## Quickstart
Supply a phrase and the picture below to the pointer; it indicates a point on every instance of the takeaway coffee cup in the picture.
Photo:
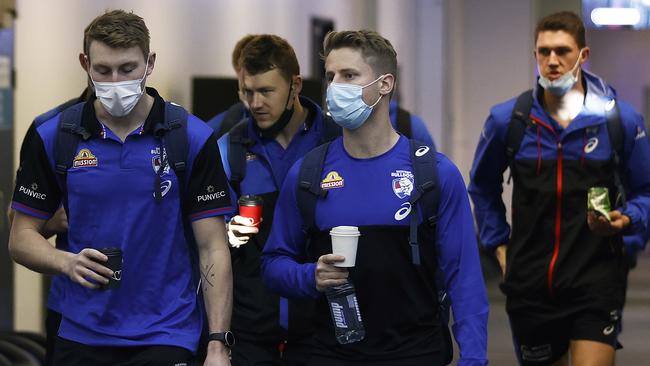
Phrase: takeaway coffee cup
(250, 206)
(115, 264)
(344, 242)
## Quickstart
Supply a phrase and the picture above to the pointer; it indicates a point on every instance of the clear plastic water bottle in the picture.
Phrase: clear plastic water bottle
(348, 326)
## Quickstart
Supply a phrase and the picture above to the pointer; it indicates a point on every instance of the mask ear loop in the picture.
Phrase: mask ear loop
(380, 95)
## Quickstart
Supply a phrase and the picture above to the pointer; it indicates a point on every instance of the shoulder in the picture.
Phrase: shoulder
(502, 113)
(629, 115)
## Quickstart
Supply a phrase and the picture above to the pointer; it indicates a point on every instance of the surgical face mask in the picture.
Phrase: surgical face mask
(346, 106)
(560, 86)
(119, 98)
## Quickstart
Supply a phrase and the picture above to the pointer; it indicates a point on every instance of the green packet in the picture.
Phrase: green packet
(598, 201)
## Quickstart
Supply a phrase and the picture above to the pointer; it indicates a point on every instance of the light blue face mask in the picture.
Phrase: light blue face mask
(561, 85)
(346, 106)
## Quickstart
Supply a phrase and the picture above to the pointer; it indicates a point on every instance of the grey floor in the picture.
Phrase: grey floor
(636, 321)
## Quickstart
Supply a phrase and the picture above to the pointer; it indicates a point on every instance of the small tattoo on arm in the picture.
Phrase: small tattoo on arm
(208, 276)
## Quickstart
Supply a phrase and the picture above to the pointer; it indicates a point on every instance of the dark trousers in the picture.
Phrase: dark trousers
(68, 353)
(435, 359)
(268, 354)
(52, 322)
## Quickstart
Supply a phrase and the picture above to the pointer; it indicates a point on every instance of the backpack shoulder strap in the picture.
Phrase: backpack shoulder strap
(403, 125)
(330, 129)
(517, 126)
(68, 135)
(233, 116)
(309, 189)
(617, 140)
(238, 144)
(175, 137)
(426, 196)
(426, 192)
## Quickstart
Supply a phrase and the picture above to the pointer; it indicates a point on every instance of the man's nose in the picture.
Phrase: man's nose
(256, 101)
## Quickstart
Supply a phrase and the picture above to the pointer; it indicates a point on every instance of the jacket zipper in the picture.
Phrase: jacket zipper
(558, 204)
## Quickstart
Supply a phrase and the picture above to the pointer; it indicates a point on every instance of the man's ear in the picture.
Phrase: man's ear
(152, 63)
(297, 84)
(83, 61)
(387, 84)
(585, 55)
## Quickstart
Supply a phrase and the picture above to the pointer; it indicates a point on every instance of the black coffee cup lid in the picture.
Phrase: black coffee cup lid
(250, 200)
(111, 251)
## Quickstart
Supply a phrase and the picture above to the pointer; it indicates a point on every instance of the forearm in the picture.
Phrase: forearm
(216, 284)
(288, 278)
(30, 249)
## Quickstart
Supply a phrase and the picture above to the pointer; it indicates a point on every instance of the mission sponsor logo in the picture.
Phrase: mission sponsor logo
(84, 159)
(211, 195)
(32, 191)
(332, 180)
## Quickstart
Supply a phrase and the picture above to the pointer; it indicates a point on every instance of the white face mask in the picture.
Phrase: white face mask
(346, 106)
(119, 98)
(561, 85)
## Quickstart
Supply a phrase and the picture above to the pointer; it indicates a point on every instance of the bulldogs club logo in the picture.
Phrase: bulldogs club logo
(402, 183)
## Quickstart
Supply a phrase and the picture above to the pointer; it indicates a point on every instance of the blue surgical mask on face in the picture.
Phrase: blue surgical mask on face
(563, 84)
(346, 106)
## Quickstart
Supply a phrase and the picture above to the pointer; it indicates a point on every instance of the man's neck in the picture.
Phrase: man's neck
(565, 108)
(375, 137)
(285, 136)
(123, 126)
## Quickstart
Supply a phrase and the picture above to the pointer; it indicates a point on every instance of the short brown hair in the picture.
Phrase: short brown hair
(566, 21)
(376, 50)
(266, 52)
(236, 52)
(118, 29)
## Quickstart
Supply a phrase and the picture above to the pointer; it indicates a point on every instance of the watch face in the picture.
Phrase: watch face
(229, 338)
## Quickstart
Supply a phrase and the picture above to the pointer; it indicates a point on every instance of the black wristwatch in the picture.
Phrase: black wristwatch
(226, 338)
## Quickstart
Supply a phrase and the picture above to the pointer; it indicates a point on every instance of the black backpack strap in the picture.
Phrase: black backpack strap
(238, 143)
(175, 137)
(330, 130)
(403, 125)
(426, 196)
(68, 135)
(173, 133)
(426, 192)
(617, 140)
(309, 189)
(233, 116)
(517, 126)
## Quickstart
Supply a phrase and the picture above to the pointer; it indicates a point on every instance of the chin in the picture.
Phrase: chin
(264, 124)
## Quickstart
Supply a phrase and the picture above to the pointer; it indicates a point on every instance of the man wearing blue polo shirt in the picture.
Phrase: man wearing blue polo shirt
(364, 179)
(121, 192)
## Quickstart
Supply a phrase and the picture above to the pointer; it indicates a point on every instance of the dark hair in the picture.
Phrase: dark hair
(566, 21)
(118, 29)
(376, 50)
(266, 52)
(236, 52)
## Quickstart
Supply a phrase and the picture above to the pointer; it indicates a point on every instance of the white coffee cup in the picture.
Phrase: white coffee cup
(344, 242)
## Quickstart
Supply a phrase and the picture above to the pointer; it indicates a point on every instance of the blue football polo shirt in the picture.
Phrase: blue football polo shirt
(110, 203)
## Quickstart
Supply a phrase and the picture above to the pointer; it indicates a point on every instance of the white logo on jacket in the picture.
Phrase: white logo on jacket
(421, 151)
(591, 145)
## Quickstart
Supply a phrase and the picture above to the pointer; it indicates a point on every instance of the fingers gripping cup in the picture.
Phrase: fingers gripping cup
(250, 206)
(344, 242)
(114, 263)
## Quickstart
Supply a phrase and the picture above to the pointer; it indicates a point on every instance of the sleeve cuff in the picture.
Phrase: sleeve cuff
(44, 215)
(211, 213)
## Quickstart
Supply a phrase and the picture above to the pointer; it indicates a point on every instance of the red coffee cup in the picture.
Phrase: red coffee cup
(250, 206)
